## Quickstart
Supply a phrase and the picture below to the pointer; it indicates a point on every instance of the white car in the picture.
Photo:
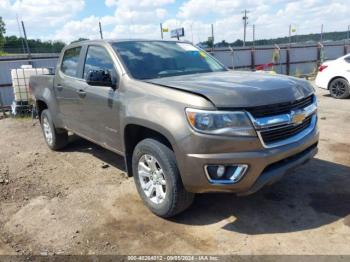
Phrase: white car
(334, 75)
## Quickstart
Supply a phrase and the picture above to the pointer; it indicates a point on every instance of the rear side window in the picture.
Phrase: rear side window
(70, 61)
(347, 59)
(97, 58)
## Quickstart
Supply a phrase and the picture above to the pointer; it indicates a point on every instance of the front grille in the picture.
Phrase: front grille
(273, 135)
(281, 108)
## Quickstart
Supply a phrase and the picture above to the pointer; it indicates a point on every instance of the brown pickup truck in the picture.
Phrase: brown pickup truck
(184, 122)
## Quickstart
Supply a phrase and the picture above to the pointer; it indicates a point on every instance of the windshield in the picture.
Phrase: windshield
(155, 59)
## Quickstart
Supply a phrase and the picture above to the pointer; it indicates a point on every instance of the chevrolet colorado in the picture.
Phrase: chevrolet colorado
(184, 122)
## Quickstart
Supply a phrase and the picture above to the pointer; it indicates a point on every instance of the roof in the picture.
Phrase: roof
(126, 40)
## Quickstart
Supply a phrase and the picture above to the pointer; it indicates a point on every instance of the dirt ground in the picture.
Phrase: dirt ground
(80, 201)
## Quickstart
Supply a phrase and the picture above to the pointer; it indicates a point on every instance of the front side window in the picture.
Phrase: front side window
(155, 59)
(70, 61)
(97, 58)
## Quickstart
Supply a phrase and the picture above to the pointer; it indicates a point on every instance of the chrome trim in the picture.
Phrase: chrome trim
(242, 168)
(285, 120)
(270, 121)
(291, 139)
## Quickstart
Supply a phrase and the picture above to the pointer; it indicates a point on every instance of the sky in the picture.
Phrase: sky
(68, 20)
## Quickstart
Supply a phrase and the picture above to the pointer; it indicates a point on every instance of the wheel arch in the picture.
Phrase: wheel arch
(336, 77)
(41, 105)
(134, 133)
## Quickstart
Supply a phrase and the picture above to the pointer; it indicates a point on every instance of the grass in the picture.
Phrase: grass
(3, 53)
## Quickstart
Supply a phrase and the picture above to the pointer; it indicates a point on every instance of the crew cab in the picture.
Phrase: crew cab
(184, 123)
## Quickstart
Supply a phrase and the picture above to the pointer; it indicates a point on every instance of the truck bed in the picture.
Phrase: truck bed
(39, 83)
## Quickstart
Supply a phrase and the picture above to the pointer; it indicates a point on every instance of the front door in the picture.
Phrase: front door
(100, 106)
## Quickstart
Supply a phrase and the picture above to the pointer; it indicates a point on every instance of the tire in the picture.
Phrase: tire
(339, 88)
(175, 199)
(58, 138)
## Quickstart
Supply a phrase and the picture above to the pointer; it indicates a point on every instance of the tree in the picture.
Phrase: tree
(79, 40)
(238, 42)
(223, 43)
(13, 44)
(2, 33)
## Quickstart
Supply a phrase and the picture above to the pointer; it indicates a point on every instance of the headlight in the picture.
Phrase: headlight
(220, 123)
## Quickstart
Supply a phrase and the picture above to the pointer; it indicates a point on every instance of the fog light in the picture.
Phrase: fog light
(225, 174)
(220, 171)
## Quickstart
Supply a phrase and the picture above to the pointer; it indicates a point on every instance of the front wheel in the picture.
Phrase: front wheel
(158, 180)
(55, 139)
(339, 88)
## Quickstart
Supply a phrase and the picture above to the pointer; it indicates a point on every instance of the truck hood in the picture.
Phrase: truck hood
(231, 89)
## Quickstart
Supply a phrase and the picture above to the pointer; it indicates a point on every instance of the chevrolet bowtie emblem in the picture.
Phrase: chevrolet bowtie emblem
(298, 118)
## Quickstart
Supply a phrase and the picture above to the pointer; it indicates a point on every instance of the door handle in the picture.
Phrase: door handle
(59, 87)
(81, 93)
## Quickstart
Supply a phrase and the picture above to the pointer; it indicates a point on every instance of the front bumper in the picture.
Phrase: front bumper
(265, 165)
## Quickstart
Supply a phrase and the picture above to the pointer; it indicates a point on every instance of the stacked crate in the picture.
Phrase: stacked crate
(20, 81)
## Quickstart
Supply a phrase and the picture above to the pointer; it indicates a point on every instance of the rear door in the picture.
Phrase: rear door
(68, 83)
(101, 104)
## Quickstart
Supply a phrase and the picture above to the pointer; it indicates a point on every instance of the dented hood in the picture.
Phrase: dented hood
(231, 89)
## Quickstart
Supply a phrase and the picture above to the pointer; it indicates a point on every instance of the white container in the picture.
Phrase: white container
(20, 81)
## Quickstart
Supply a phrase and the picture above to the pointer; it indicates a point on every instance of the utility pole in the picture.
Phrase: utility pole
(212, 36)
(290, 34)
(192, 31)
(245, 21)
(100, 26)
(253, 35)
(161, 31)
(26, 40)
(321, 33)
(20, 35)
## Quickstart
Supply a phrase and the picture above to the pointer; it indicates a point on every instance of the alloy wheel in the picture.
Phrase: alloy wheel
(152, 178)
(338, 88)
(47, 131)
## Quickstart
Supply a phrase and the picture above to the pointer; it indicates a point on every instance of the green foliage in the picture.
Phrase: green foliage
(310, 38)
(2, 33)
(16, 44)
(79, 40)
(223, 43)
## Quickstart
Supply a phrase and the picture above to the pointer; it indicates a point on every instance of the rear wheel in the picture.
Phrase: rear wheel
(55, 138)
(339, 88)
(158, 180)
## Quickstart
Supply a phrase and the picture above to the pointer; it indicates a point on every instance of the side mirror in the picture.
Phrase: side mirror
(100, 78)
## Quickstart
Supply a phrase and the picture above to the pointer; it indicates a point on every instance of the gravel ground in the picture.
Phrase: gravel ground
(80, 201)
